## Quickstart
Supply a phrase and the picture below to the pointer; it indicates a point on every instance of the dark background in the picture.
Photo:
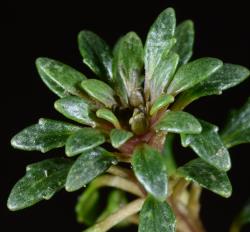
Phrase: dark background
(34, 29)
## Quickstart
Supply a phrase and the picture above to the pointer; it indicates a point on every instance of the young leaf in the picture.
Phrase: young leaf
(162, 75)
(43, 136)
(83, 140)
(159, 40)
(60, 78)
(184, 35)
(96, 54)
(41, 181)
(118, 137)
(108, 116)
(88, 206)
(77, 109)
(237, 129)
(208, 146)
(89, 165)
(207, 176)
(100, 91)
(192, 73)
(150, 170)
(127, 66)
(156, 216)
(178, 122)
(228, 76)
(160, 103)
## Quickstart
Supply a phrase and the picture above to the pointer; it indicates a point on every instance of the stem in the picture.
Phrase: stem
(194, 200)
(119, 171)
(117, 182)
(115, 218)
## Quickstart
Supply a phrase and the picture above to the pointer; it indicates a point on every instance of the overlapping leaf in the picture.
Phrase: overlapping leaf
(207, 176)
(118, 137)
(237, 129)
(61, 79)
(109, 116)
(41, 181)
(44, 136)
(208, 146)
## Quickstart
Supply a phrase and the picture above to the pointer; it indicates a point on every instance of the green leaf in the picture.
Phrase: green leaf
(128, 65)
(118, 137)
(228, 76)
(77, 109)
(150, 170)
(83, 140)
(100, 91)
(208, 146)
(109, 116)
(192, 73)
(178, 122)
(163, 75)
(41, 181)
(43, 136)
(184, 35)
(96, 54)
(207, 176)
(156, 216)
(237, 129)
(160, 103)
(60, 78)
(88, 206)
(89, 165)
(159, 40)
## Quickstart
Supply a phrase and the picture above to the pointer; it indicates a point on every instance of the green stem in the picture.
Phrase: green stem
(115, 218)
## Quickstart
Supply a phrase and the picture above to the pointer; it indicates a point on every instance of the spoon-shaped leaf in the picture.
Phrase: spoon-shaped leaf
(178, 122)
(77, 109)
(60, 78)
(207, 176)
(96, 54)
(192, 73)
(88, 165)
(41, 181)
(208, 146)
(184, 35)
(150, 170)
(100, 91)
(128, 65)
(43, 136)
(237, 129)
(160, 103)
(118, 137)
(156, 216)
(83, 140)
(109, 116)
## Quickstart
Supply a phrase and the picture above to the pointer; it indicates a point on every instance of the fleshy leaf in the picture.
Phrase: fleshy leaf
(178, 122)
(208, 146)
(88, 165)
(83, 140)
(41, 181)
(109, 116)
(237, 129)
(159, 40)
(150, 170)
(118, 137)
(88, 206)
(43, 136)
(77, 109)
(60, 78)
(184, 35)
(192, 73)
(163, 75)
(207, 176)
(127, 66)
(156, 216)
(96, 54)
(228, 76)
(160, 103)
(100, 91)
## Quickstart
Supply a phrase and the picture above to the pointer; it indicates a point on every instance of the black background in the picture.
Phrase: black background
(34, 29)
